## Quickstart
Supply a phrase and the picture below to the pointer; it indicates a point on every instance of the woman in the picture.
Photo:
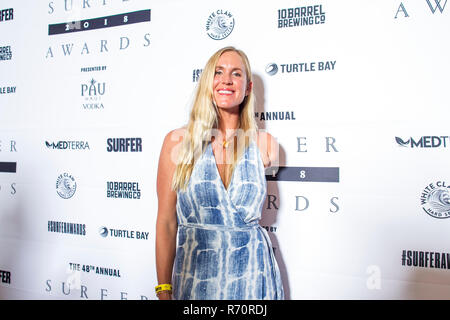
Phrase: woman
(211, 187)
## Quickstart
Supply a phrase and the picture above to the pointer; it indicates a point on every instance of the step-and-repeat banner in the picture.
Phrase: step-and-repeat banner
(356, 93)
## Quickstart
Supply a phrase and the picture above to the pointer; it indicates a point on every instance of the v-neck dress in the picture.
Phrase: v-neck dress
(222, 251)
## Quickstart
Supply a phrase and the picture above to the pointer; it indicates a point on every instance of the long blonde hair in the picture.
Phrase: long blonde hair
(204, 117)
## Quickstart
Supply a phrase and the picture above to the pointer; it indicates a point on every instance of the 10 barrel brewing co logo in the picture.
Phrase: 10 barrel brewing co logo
(435, 200)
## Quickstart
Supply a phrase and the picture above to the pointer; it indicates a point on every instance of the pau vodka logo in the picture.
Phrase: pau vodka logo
(92, 94)
(435, 200)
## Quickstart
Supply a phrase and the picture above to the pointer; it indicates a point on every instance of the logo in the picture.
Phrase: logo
(66, 228)
(424, 142)
(435, 200)
(220, 24)
(92, 94)
(124, 145)
(426, 259)
(6, 14)
(7, 90)
(122, 233)
(278, 115)
(271, 69)
(71, 11)
(67, 145)
(301, 16)
(66, 186)
(5, 276)
(5, 53)
(123, 190)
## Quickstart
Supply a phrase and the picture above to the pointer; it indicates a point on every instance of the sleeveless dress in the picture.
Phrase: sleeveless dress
(222, 251)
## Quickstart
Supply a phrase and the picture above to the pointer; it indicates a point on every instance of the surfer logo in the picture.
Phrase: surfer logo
(220, 24)
(66, 186)
(435, 200)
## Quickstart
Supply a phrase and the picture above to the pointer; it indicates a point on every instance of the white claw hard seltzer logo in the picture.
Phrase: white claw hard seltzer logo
(66, 186)
(435, 200)
(220, 24)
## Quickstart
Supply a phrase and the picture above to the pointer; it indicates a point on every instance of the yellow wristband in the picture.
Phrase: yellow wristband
(163, 287)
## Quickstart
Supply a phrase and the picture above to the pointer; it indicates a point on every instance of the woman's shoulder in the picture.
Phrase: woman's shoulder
(174, 136)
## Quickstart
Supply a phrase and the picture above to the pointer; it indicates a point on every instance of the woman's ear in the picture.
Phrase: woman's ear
(249, 88)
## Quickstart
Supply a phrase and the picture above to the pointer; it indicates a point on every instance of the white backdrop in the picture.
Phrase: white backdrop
(377, 112)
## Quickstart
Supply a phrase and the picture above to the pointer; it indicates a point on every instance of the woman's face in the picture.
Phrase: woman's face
(230, 81)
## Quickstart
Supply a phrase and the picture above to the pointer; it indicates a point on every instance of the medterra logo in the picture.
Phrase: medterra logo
(220, 24)
(67, 145)
(66, 186)
(423, 142)
(435, 200)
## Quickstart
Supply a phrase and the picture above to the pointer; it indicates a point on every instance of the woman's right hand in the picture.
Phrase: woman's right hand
(165, 295)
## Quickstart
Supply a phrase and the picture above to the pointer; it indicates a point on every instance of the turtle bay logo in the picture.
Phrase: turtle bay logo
(92, 94)
(122, 233)
(66, 186)
(435, 200)
(302, 67)
(220, 24)
(424, 142)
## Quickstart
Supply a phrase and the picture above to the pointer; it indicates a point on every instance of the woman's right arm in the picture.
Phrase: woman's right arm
(166, 222)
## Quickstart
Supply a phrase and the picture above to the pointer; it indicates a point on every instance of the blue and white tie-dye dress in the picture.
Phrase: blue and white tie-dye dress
(222, 251)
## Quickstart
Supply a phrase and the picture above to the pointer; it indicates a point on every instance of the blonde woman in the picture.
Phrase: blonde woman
(211, 187)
